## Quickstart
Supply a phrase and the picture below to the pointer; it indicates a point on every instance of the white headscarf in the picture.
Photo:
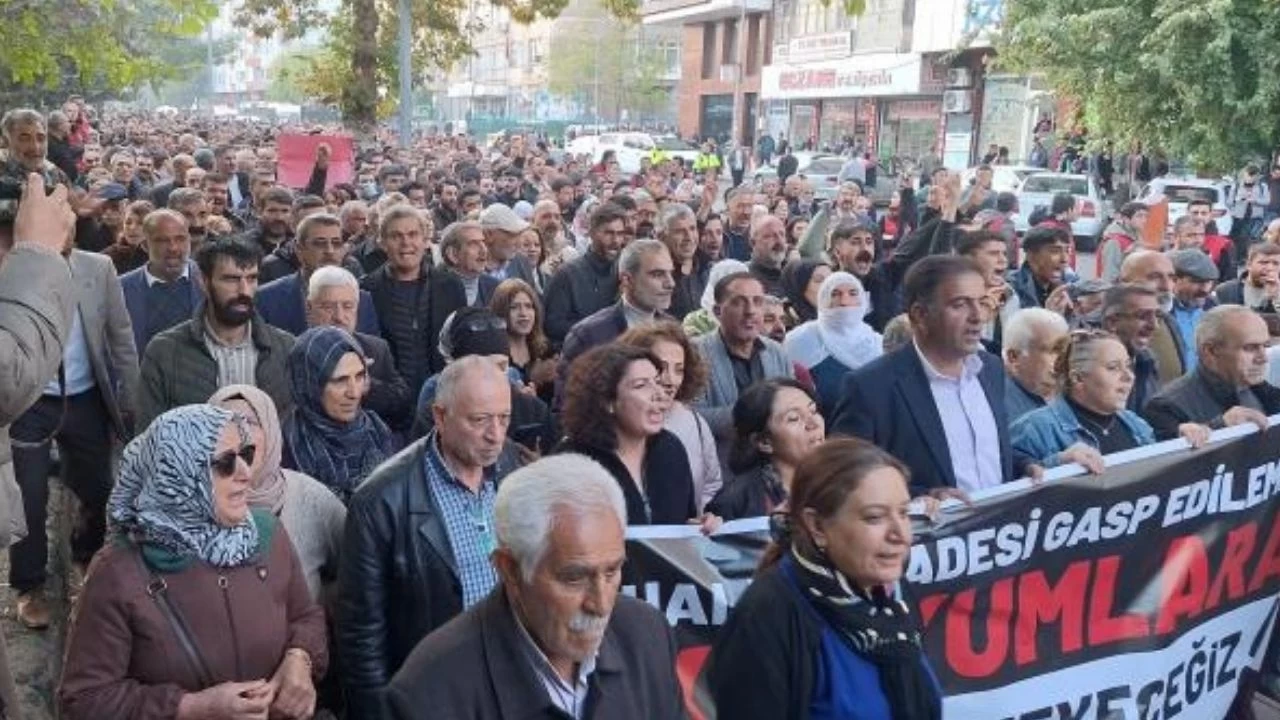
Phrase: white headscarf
(838, 332)
(718, 272)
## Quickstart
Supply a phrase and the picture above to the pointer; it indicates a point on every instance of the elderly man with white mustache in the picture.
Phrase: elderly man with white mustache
(555, 639)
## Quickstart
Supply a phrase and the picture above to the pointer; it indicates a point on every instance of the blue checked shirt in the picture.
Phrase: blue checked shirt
(468, 522)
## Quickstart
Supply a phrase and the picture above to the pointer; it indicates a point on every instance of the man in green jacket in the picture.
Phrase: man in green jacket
(226, 343)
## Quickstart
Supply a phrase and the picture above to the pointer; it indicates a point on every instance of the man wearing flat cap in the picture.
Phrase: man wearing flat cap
(1194, 275)
(502, 229)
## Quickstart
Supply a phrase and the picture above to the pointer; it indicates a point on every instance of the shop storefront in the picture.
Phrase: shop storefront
(872, 101)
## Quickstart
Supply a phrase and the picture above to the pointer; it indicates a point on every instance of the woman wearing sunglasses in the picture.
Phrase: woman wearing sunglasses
(197, 607)
(329, 435)
(1089, 419)
(313, 516)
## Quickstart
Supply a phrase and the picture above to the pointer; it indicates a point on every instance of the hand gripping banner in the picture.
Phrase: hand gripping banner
(1141, 594)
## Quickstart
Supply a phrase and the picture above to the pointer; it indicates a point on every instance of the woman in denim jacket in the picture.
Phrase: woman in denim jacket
(1088, 419)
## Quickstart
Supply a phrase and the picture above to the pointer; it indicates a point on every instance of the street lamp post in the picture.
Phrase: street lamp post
(406, 74)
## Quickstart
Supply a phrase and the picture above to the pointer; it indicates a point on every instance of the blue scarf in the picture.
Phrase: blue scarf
(340, 455)
(163, 499)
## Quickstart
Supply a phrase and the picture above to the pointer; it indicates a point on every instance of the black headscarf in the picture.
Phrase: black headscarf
(795, 278)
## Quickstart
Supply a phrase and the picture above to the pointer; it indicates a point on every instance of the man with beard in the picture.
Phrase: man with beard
(1132, 313)
(1193, 277)
(589, 282)
(445, 210)
(737, 228)
(678, 230)
(646, 213)
(214, 186)
(1259, 288)
(1154, 271)
(508, 187)
(319, 244)
(226, 343)
(273, 209)
(286, 259)
(768, 253)
(852, 247)
(557, 250)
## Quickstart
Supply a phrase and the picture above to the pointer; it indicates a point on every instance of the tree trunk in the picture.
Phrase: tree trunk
(360, 108)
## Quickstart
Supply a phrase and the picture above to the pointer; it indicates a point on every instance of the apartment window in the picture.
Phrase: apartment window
(708, 50)
(537, 50)
(753, 45)
(729, 50)
(669, 50)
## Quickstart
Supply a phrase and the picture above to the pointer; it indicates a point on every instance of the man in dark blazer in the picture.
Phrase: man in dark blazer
(85, 410)
(647, 279)
(166, 291)
(514, 654)
(1228, 386)
(415, 548)
(319, 244)
(937, 404)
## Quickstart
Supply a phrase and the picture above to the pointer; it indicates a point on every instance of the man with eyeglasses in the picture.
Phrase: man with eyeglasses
(1154, 271)
(333, 298)
(318, 244)
(420, 531)
(1132, 313)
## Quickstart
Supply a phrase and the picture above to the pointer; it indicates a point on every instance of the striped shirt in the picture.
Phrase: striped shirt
(237, 364)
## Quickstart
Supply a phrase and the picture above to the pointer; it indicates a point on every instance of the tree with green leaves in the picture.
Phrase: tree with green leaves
(363, 35)
(1194, 79)
(111, 45)
(607, 65)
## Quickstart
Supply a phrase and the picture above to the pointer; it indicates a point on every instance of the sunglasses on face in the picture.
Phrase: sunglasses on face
(224, 464)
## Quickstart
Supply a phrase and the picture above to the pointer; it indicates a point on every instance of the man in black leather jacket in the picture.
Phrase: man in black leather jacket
(419, 532)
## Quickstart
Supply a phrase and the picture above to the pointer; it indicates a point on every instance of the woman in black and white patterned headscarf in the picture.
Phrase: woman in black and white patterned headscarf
(197, 607)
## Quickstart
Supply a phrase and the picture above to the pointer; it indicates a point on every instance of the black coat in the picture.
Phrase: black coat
(744, 496)
(389, 394)
(398, 580)
(668, 481)
(1199, 398)
(582, 286)
(476, 668)
(443, 295)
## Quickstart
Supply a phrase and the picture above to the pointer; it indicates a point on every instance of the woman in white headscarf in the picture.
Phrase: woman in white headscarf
(838, 342)
(703, 320)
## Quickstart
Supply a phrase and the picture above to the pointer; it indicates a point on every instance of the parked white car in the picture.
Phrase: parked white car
(627, 147)
(1037, 191)
(1182, 190)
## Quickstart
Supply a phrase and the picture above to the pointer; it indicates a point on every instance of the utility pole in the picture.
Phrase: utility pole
(208, 63)
(406, 74)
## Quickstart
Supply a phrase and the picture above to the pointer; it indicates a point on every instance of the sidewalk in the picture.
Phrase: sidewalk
(35, 657)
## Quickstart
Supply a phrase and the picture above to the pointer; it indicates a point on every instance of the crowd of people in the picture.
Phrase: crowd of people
(379, 441)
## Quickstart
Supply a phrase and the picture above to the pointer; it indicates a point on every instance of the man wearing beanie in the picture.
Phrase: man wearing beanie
(477, 331)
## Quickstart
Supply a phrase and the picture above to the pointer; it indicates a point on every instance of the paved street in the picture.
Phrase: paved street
(34, 656)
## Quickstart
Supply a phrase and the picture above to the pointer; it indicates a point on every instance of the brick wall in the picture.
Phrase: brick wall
(693, 86)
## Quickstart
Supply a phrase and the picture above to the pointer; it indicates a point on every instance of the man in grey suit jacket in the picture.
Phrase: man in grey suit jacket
(737, 354)
(36, 302)
(89, 402)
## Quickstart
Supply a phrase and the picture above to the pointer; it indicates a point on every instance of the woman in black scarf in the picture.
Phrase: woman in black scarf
(801, 280)
(828, 604)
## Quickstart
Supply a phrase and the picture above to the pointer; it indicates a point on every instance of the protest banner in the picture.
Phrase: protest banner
(296, 157)
(1139, 594)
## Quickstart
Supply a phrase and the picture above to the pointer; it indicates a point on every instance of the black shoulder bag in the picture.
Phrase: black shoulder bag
(158, 590)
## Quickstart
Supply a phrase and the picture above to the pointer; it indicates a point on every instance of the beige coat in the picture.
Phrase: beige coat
(37, 298)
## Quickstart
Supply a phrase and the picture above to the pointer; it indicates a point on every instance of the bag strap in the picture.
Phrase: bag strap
(158, 590)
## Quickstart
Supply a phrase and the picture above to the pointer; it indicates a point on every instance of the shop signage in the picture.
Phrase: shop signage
(825, 46)
(858, 76)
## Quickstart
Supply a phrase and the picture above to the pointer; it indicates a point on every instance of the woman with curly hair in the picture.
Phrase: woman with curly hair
(615, 416)
(683, 375)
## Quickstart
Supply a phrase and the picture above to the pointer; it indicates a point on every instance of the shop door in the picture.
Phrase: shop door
(715, 120)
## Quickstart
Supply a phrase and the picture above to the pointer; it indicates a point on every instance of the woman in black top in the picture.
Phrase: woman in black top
(515, 302)
(776, 424)
(615, 415)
